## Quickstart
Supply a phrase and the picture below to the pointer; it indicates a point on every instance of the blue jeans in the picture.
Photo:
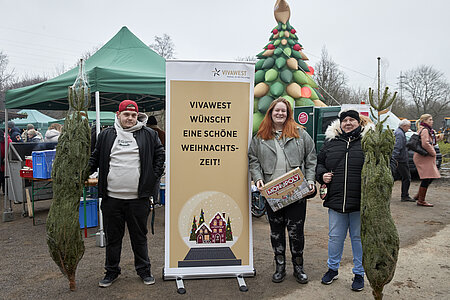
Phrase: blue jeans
(339, 224)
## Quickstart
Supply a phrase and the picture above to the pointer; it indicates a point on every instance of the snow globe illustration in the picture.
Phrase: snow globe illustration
(210, 219)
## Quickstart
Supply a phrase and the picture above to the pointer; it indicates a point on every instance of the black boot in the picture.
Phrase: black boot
(280, 269)
(299, 274)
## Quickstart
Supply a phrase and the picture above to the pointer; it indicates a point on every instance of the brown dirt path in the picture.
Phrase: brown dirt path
(423, 270)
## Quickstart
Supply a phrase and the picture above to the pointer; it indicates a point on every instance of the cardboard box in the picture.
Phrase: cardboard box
(29, 161)
(26, 173)
(283, 185)
(286, 189)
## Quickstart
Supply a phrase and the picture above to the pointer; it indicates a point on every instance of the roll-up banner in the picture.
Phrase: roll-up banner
(209, 107)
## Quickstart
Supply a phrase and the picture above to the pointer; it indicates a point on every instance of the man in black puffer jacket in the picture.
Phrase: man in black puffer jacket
(339, 165)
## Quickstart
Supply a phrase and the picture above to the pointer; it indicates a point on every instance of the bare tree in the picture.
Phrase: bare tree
(332, 81)
(164, 46)
(355, 96)
(246, 58)
(26, 81)
(427, 90)
(86, 54)
(5, 77)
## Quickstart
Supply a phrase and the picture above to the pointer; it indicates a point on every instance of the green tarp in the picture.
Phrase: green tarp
(38, 119)
(124, 68)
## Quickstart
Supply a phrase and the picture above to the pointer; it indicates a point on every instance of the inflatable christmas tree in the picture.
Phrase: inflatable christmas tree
(281, 69)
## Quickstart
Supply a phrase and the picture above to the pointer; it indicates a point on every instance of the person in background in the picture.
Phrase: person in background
(25, 133)
(152, 123)
(2, 168)
(32, 136)
(280, 146)
(339, 166)
(53, 133)
(14, 132)
(426, 165)
(400, 158)
(130, 159)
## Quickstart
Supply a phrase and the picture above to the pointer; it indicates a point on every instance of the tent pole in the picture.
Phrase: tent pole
(97, 112)
(7, 213)
(100, 236)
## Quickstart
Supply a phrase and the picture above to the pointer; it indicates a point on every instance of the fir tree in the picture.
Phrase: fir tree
(202, 218)
(192, 236)
(282, 71)
(229, 233)
(64, 240)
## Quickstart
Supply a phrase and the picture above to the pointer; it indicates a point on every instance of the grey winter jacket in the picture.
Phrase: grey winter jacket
(400, 152)
(299, 152)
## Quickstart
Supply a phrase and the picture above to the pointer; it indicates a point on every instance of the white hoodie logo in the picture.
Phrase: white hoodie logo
(124, 143)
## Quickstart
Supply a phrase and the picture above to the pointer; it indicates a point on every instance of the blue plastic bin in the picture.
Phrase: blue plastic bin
(42, 163)
(162, 193)
(91, 213)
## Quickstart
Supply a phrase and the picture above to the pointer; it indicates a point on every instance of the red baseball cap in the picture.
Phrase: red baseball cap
(129, 105)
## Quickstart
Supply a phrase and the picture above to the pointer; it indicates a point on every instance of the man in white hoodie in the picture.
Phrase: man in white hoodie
(130, 158)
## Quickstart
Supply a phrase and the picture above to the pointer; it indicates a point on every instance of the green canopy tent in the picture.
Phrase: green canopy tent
(38, 119)
(124, 68)
(106, 118)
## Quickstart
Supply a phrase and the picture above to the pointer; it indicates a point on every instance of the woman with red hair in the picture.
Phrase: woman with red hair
(280, 146)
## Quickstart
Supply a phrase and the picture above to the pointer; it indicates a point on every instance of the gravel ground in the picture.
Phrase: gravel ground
(423, 269)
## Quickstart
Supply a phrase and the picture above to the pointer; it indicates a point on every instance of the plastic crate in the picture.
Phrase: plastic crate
(91, 213)
(162, 193)
(42, 163)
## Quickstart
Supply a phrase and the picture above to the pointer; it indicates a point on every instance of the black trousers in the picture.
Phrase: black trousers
(291, 217)
(426, 182)
(134, 212)
(405, 175)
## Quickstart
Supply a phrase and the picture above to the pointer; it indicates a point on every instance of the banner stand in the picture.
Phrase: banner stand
(208, 231)
(240, 278)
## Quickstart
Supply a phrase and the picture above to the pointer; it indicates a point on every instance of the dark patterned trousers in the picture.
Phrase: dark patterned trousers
(291, 217)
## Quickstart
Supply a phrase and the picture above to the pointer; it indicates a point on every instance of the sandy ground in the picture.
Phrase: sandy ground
(423, 269)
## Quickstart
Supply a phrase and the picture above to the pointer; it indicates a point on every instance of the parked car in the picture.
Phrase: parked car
(412, 166)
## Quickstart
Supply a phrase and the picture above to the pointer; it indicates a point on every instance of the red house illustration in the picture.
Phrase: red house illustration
(214, 233)
(203, 234)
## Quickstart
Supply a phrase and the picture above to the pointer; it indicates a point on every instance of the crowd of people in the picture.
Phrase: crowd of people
(130, 158)
(33, 135)
(281, 145)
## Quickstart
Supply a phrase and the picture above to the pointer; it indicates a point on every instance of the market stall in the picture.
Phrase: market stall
(39, 120)
(124, 68)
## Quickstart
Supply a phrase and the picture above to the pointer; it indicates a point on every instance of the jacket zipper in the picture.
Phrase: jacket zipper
(345, 176)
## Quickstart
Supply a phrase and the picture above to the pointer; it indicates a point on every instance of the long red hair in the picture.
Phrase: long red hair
(290, 127)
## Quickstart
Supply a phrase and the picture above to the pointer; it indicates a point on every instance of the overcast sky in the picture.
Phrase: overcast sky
(42, 36)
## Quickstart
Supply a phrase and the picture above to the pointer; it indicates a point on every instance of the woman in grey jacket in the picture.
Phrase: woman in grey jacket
(280, 146)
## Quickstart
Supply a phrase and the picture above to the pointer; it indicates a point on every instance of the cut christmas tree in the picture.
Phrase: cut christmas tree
(69, 172)
(379, 236)
(282, 71)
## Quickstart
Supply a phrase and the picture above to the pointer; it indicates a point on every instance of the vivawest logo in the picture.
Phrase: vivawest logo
(216, 72)
(230, 73)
